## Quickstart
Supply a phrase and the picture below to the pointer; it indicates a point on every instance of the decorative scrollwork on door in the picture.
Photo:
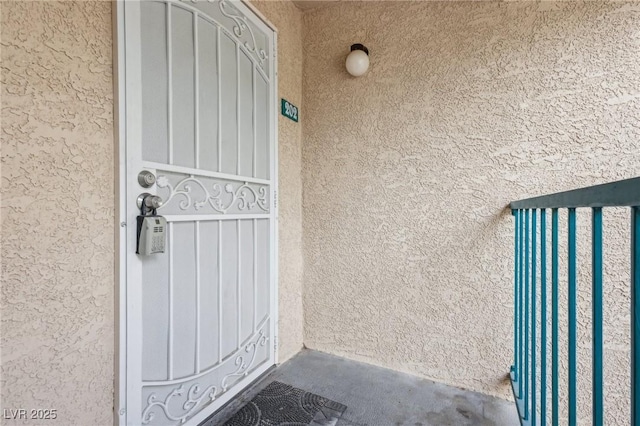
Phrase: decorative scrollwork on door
(194, 398)
(243, 366)
(244, 197)
(177, 411)
(242, 25)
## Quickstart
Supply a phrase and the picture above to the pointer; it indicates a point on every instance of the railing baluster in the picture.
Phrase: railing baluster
(596, 254)
(516, 296)
(534, 228)
(572, 318)
(554, 316)
(635, 316)
(529, 388)
(543, 317)
(522, 374)
(526, 313)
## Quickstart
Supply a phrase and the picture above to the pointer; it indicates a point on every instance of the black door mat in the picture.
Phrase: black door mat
(283, 405)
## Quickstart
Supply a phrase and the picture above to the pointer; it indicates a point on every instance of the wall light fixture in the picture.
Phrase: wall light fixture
(358, 60)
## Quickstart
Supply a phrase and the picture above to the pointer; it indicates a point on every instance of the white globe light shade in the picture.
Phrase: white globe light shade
(357, 63)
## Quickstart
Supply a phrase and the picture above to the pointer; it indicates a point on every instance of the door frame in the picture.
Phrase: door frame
(120, 414)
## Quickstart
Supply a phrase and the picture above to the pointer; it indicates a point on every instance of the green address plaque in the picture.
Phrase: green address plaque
(289, 110)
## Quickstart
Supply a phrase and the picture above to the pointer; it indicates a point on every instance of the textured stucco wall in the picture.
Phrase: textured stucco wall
(57, 210)
(407, 172)
(58, 205)
(288, 20)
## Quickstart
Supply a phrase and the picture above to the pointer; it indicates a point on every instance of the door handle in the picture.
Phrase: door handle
(151, 202)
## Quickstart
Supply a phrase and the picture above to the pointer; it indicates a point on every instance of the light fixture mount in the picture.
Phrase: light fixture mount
(359, 46)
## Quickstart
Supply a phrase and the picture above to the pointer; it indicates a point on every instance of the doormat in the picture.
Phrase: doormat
(282, 404)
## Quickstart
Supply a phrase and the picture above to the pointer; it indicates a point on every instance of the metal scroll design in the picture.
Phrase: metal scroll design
(242, 25)
(242, 365)
(244, 197)
(194, 398)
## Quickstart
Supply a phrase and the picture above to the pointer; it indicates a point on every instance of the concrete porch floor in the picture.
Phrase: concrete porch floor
(377, 396)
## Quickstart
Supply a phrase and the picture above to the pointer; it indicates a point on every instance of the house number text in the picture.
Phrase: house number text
(289, 110)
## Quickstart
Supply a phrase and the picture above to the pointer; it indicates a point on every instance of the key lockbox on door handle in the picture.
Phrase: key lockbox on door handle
(152, 228)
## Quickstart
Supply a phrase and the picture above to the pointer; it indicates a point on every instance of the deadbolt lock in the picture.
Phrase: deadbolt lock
(146, 179)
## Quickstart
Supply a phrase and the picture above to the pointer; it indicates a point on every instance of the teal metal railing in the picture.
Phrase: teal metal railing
(530, 387)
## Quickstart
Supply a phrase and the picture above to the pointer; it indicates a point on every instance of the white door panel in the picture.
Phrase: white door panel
(199, 112)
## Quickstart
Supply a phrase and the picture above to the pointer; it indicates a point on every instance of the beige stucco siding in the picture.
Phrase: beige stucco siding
(407, 172)
(394, 204)
(288, 19)
(58, 202)
(58, 210)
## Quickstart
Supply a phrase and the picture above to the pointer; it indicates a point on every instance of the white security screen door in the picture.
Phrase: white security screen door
(197, 109)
